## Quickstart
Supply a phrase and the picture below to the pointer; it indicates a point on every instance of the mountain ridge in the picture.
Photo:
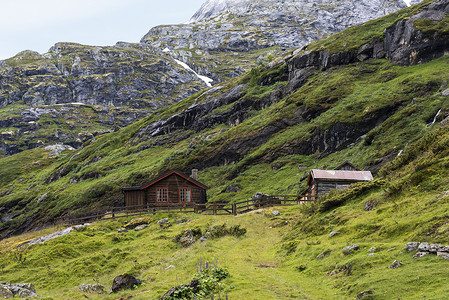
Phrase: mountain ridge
(170, 63)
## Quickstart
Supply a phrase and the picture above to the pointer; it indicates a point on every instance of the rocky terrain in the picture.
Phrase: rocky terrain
(223, 40)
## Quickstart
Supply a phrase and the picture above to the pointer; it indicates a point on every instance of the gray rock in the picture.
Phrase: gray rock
(434, 248)
(141, 227)
(121, 230)
(42, 198)
(350, 249)
(276, 213)
(91, 288)
(395, 265)
(370, 205)
(372, 249)
(424, 247)
(162, 222)
(184, 220)
(371, 254)
(445, 93)
(444, 255)
(420, 254)
(363, 294)
(411, 247)
(187, 238)
(56, 150)
(333, 233)
(9, 290)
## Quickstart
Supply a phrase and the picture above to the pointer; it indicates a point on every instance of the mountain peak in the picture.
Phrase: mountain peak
(214, 8)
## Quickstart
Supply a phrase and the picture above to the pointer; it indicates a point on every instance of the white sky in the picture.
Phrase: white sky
(39, 24)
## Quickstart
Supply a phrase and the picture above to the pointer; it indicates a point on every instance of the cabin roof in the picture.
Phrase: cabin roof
(163, 176)
(347, 163)
(340, 175)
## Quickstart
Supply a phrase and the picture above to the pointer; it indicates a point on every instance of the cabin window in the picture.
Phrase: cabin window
(162, 195)
(185, 195)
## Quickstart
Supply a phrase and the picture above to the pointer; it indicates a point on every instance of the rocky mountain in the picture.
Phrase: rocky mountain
(127, 81)
(370, 94)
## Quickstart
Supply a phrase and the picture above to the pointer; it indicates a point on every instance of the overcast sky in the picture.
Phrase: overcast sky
(39, 24)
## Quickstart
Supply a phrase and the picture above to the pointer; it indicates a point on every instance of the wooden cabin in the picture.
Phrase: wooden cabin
(170, 187)
(321, 182)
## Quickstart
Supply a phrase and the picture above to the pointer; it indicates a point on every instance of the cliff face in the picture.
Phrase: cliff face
(224, 29)
(223, 40)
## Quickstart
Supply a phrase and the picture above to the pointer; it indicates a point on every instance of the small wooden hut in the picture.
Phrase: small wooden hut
(321, 182)
(170, 187)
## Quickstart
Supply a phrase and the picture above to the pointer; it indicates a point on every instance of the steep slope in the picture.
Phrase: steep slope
(140, 78)
(352, 244)
(310, 109)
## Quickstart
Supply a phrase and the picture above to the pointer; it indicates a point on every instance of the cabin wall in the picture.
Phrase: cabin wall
(133, 198)
(324, 187)
(173, 183)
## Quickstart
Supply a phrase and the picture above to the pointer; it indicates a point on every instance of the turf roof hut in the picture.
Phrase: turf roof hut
(321, 182)
(170, 187)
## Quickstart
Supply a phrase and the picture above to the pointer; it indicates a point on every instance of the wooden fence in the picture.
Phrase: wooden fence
(206, 208)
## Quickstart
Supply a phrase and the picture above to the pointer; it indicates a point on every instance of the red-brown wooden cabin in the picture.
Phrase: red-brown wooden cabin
(171, 187)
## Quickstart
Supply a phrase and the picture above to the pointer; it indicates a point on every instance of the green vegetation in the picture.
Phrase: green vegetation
(380, 116)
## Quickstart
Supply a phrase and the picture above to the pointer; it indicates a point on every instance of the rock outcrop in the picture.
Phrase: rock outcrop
(23, 290)
(123, 282)
(129, 81)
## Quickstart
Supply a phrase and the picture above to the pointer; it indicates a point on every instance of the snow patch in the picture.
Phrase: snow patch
(408, 2)
(166, 50)
(207, 80)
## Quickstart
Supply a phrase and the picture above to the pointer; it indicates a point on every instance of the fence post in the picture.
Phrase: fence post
(215, 209)
(234, 209)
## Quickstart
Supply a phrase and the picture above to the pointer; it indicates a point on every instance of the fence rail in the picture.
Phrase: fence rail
(206, 208)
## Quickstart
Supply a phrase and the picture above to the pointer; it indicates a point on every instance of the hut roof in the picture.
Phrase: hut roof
(340, 175)
(347, 163)
(163, 176)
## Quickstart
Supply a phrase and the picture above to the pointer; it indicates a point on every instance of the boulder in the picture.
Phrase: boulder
(420, 254)
(137, 222)
(434, 248)
(276, 213)
(123, 282)
(350, 249)
(162, 222)
(424, 247)
(9, 290)
(444, 255)
(187, 238)
(412, 246)
(141, 227)
(370, 205)
(91, 288)
(395, 265)
(333, 233)
(363, 294)
(445, 93)
(372, 249)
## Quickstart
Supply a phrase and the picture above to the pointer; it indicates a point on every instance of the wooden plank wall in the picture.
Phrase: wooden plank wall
(173, 183)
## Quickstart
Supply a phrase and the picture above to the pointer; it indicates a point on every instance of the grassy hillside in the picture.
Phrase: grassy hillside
(290, 256)
(252, 133)
(260, 132)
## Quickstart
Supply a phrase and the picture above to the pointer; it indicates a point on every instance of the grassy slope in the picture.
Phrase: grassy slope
(119, 160)
(413, 205)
